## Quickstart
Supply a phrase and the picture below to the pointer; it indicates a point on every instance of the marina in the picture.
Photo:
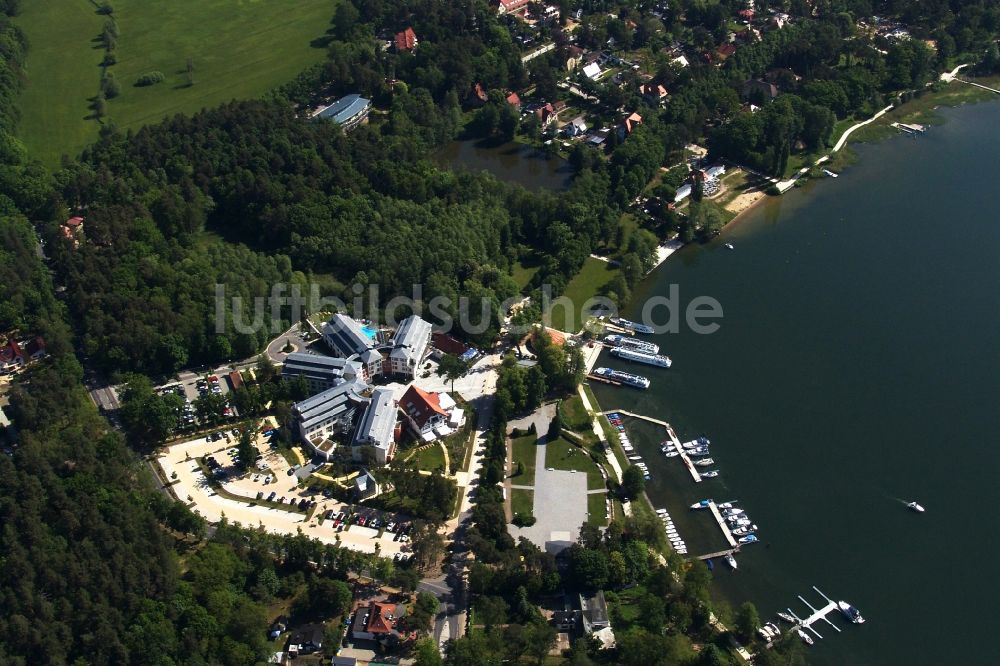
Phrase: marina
(817, 614)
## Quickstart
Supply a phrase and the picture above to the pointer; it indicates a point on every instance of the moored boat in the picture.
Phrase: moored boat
(731, 561)
(711, 474)
(850, 612)
(631, 325)
(750, 538)
(626, 342)
(787, 617)
(806, 638)
(702, 504)
(641, 357)
(627, 378)
(704, 462)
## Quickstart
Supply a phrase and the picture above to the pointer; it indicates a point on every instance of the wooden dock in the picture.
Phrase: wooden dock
(721, 553)
(598, 378)
(670, 433)
(638, 416)
(722, 525)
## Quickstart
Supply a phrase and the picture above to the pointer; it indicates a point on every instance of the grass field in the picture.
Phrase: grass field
(522, 273)
(522, 501)
(574, 416)
(239, 48)
(523, 451)
(597, 509)
(560, 454)
(429, 459)
(589, 282)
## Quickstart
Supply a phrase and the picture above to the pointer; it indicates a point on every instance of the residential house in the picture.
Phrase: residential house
(631, 122)
(236, 380)
(410, 346)
(376, 428)
(723, 52)
(405, 41)
(514, 100)
(376, 621)
(576, 127)
(71, 229)
(478, 96)
(348, 112)
(758, 90)
(446, 344)
(306, 640)
(545, 113)
(680, 61)
(321, 372)
(424, 413)
(11, 357)
(565, 621)
(574, 56)
(592, 71)
(654, 93)
(512, 6)
(36, 348)
(594, 612)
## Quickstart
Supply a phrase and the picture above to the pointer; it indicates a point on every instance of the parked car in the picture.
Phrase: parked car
(271, 496)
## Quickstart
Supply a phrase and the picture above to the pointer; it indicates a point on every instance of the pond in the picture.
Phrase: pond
(511, 161)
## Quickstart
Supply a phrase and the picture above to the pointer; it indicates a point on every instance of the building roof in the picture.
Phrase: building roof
(633, 121)
(333, 403)
(406, 40)
(319, 368)
(344, 108)
(514, 100)
(381, 618)
(595, 611)
(768, 90)
(379, 420)
(420, 405)
(448, 344)
(656, 90)
(411, 340)
(344, 334)
(512, 5)
(10, 351)
(74, 221)
(236, 379)
(480, 92)
(593, 70)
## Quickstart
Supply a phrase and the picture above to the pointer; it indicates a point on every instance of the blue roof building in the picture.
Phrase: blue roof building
(348, 112)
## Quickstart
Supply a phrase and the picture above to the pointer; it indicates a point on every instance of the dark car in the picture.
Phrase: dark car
(271, 496)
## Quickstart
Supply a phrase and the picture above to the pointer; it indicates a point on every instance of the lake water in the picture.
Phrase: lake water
(513, 162)
(857, 366)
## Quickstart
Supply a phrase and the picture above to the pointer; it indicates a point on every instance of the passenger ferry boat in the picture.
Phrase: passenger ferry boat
(649, 359)
(631, 325)
(627, 378)
(627, 342)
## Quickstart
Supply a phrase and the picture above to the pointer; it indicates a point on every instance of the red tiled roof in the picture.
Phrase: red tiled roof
(513, 5)
(381, 618)
(10, 351)
(406, 40)
(74, 221)
(726, 50)
(236, 379)
(514, 100)
(481, 93)
(448, 344)
(420, 405)
(632, 122)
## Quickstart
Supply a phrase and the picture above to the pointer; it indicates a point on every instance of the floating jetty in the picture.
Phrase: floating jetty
(598, 378)
(817, 613)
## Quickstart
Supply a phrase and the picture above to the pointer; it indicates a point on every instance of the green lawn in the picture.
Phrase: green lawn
(589, 282)
(523, 451)
(574, 416)
(239, 48)
(597, 509)
(522, 501)
(560, 454)
(523, 272)
(429, 459)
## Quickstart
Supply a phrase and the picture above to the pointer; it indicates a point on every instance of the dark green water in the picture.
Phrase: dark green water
(858, 364)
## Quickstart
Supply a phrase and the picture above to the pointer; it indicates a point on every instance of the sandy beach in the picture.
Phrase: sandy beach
(745, 201)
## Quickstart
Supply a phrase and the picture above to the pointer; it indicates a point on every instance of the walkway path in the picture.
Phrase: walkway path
(850, 130)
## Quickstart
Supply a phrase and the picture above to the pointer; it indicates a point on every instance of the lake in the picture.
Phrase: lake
(857, 366)
(512, 162)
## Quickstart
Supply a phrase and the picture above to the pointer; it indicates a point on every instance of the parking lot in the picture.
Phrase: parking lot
(358, 528)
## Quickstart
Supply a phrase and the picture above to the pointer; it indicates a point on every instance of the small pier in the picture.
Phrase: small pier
(721, 553)
(722, 524)
(670, 433)
(598, 378)
(817, 614)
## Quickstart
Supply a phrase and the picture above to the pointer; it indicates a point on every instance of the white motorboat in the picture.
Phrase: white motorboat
(744, 530)
(806, 638)
(750, 538)
(850, 612)
(672, 454)
(913, 506)
(702, 504)
(733, 512)
(698, 453)
(729, 246)
(704, 462)
(731, 561)
(787, 617)
(709, 475)
(727, 505)
(661, 511)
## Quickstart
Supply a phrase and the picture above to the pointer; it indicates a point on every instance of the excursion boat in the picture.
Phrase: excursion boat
(787, 617)
(702, 504)
(806, 638)
(709, 475)
(704, 462)
(631, 325)
(626, 342)
(731, 561)
(850, 612)
(913, 506)
(640, 357)
(750, 538)
(627, 378)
